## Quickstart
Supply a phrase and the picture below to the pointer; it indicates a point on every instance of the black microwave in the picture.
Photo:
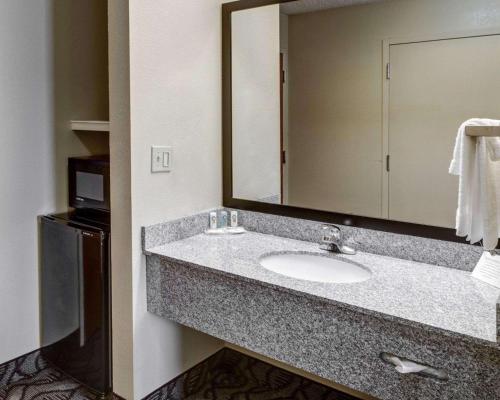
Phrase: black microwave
(88, 182)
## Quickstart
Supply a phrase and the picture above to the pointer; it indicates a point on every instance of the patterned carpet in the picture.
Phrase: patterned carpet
(227, 375)
(230, 375)
(30, 378)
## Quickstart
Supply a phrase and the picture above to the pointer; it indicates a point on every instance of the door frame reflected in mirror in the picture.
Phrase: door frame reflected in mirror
(230, 201)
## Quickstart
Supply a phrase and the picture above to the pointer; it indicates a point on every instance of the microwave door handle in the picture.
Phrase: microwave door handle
(81, 286)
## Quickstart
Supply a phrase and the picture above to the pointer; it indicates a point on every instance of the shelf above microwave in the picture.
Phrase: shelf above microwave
(95, 126)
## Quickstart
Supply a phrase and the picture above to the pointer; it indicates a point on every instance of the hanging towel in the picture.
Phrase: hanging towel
(477, 163)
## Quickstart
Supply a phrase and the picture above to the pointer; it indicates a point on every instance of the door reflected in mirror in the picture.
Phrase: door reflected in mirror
(355, 109)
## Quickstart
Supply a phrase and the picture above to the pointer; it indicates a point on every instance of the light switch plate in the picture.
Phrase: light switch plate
(161, 159)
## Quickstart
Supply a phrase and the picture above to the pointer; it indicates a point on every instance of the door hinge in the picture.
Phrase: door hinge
(388, 71)
(283, 77)
(388, 163)
(283, 157)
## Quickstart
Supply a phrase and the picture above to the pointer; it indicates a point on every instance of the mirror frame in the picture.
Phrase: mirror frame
(385, 225)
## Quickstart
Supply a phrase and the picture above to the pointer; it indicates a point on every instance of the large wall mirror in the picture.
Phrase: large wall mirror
(336, 108)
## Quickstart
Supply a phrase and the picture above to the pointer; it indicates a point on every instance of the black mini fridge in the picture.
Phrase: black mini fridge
(75, 299)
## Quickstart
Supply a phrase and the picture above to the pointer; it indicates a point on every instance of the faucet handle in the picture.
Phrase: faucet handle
(331, 233)
(333, 241)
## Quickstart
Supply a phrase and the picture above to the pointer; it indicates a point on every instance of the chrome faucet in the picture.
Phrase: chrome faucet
(332, 240)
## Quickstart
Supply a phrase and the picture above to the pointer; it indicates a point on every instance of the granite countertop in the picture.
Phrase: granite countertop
(431, 297)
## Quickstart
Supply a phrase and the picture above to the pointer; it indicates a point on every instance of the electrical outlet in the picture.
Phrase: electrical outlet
(161, 158)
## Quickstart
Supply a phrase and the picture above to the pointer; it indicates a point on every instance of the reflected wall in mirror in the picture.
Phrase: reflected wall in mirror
(355, 109)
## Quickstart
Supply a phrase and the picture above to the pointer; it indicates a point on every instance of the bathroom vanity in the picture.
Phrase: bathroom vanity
(434, 315)
(345, 115)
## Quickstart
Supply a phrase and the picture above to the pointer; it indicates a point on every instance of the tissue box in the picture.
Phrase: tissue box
(488, 269)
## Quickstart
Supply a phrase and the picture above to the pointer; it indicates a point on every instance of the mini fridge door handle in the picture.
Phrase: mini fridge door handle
(81, 274)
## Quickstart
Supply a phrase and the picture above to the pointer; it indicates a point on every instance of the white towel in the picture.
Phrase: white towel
(477, 162)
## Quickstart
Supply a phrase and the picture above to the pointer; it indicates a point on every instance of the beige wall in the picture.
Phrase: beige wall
(121, 204)
(174, 54)
(80, 77)
(53, 69)
(256, 103)
(336, 77)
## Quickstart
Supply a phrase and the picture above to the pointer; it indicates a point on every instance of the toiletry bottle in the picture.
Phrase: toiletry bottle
(223, 219)
(213, 220)
(234, 219)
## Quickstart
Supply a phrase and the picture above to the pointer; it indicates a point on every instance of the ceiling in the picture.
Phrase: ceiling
(304, 6)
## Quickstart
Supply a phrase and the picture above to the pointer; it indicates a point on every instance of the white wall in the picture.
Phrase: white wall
(256, 103)
(26, 163)
(175, 96)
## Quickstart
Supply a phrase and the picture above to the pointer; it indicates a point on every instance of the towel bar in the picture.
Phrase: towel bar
(487, 131)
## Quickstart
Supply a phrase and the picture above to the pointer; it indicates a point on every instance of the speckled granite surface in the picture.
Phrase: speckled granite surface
(156, 235)
(430, 314)
(430, 251)
(405, 291)
(321, 337)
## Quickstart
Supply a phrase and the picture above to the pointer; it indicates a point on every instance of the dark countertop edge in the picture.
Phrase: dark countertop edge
(372, 313)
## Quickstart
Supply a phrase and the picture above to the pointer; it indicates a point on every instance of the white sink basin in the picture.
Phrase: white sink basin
(315, 268)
